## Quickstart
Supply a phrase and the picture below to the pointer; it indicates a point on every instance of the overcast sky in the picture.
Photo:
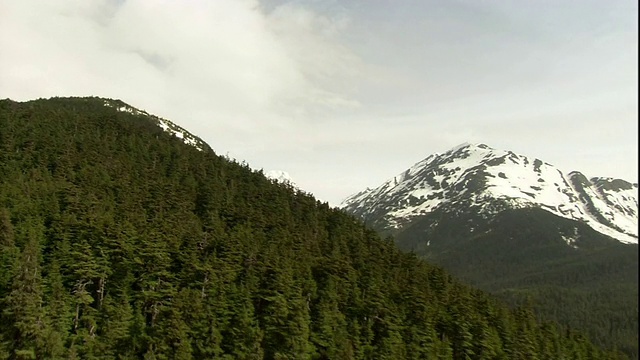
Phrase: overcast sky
(346, 94)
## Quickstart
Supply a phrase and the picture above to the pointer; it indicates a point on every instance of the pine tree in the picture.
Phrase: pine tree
(59, 313)
(330, 335)
(24, 305)
(9, 255)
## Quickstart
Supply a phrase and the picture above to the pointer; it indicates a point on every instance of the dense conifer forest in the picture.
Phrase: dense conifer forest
(520, 257)
(119, 241)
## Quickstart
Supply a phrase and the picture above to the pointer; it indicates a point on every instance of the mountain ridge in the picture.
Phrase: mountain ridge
(166, 125)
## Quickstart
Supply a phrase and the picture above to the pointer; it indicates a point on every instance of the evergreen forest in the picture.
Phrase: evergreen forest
(520, 257)
(120, 241)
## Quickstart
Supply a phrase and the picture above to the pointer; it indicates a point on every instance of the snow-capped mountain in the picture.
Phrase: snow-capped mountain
(486, 180)
(280, 176)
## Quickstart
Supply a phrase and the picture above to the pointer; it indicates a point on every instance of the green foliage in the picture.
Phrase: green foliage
(121, 242)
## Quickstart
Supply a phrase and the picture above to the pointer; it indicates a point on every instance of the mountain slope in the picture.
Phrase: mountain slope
(521, 229)
(165, 124)
(490, 180)
(120, 241)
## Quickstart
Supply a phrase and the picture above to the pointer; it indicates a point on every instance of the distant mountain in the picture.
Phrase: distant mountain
(280, 177)
(522, 229)
(489, 181)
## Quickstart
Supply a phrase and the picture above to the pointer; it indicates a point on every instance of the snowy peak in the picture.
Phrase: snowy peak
(280, 177)
(476, 176)
(165, 124)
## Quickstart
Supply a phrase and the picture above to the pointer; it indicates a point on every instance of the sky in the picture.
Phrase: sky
(343, 95)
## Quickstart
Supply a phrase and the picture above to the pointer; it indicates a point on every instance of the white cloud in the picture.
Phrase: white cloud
(224, 57)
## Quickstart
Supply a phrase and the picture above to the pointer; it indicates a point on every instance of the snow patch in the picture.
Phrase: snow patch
(571, 239)
(164, 124)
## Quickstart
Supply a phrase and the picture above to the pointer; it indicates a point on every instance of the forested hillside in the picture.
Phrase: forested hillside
(120, 241)
(568, 272)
